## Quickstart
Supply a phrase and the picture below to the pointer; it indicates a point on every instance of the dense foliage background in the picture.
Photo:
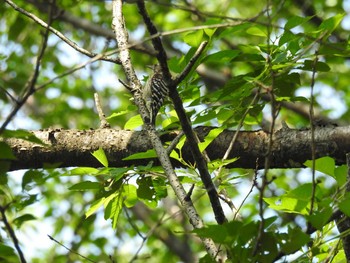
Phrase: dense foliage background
(266, 63)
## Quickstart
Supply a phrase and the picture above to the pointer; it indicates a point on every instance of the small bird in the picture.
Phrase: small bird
(154, 92)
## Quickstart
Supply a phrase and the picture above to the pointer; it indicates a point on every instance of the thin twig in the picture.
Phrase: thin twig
(254, 183)
(30, 86)
(12, 234)
(58, 33)
(174, 142)
(240, 125)
(190, 64)
(228, 151)
(133, 225)
(144, 239)
(312, 130)
(70, 250)
(101, 115)
(274, 113)
(72, 70)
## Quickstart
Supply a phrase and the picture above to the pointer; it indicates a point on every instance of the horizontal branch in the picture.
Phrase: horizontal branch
(69, 148)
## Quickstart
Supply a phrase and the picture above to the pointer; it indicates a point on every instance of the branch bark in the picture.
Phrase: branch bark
(68, 148)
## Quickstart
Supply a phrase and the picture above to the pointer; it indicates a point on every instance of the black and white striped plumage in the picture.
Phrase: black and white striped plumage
(154, 93)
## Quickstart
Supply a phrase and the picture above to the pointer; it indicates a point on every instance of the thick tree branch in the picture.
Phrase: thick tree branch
(122, 39)
(67, 148)
(178, 105)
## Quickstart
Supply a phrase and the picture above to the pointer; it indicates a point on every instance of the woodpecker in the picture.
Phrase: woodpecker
(154, 92)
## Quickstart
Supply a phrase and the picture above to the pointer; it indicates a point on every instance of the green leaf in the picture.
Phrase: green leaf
(331, 23)
(143, 155)
(324, 165)
(117, 114)
(340, 174)
(113, 209)
(6, 152)
(130, 195)
(3, 176)
(286, 37)
(292, 99)
(32, 176)
(344, 205)
(296, 21)
(216, 164)
(209, 138)
(320, 66)
(22, 134)
(100, 155)
(84, 171)
(319, 218)
(296, 239)
(230, 31)
(217, 233)
(145, 189)
(118, 173)
(160, 187)
(151, 190)
(288, 204)
(87, 185)
(22, 219)
(98, 203)
(257, 31)
(133, 123)
(222, 56)
(94, 206)
(8, 254)
(302, 192)
(194, 38)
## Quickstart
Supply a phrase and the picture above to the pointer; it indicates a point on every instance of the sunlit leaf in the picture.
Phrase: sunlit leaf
(143, 155)
(130, 195)
(324, 165)
(95, 206)
(331, 23)
(194, 38)
(101, 157)
(257, 31)
(113, 210)
(84, 171)
(133, 123)
(22, 134)
(340, 174)
(287, 204)
(209, 138)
